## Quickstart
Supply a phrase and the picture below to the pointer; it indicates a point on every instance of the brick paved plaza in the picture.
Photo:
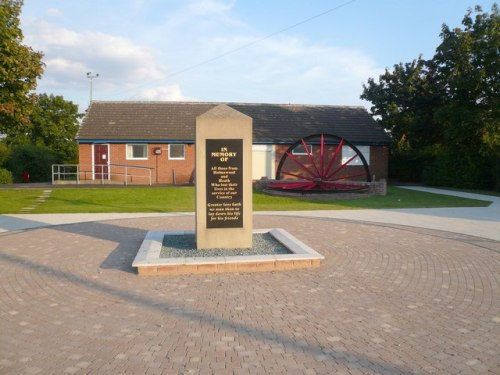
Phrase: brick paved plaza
(386, 300)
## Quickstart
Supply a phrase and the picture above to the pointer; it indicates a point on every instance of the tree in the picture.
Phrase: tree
(403, 100)
(54, 124)
(20, 67)
(444, 112)
(4, 153)
(467, 63)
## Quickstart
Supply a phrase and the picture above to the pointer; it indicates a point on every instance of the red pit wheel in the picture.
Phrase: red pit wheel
(322, 163)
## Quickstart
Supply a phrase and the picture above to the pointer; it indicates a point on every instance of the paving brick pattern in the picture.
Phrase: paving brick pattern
(386, 300)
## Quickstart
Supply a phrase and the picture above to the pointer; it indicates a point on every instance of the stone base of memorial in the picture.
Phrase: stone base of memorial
(175, 253)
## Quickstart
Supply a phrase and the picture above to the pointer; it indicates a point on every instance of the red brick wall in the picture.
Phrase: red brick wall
(184, 169)
(84, 154)
(379, 162)
(181, 170)
(85, 161)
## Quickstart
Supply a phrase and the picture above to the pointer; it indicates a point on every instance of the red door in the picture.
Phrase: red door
(101, 161)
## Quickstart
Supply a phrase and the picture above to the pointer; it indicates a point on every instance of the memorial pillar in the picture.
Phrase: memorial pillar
(223, 179)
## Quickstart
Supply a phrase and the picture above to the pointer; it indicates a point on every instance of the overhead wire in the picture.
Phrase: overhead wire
(244, 46)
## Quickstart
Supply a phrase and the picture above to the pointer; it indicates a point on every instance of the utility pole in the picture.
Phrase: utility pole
(90, 77)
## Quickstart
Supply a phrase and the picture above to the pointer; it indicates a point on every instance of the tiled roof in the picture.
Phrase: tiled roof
(272, 123)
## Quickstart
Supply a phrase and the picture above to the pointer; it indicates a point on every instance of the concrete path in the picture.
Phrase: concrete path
(16, 222)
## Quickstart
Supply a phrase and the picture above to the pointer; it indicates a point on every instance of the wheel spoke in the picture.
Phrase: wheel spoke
(311, 158)
(341, 167)
(301, 165)
(332, 160)
(322, 155)
(298, 176)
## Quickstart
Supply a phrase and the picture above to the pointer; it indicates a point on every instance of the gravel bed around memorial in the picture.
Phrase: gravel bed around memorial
(184, 245)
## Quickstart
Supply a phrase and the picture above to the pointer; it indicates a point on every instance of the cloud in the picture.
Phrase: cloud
(284, 69)
(212, 54)
(209, 7)
(199, 18)
(172, 92)
(69, 54)
(65, 69)
(54, 12)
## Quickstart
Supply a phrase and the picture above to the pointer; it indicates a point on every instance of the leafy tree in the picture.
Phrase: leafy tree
(467, 63)
(54, 124)
(443, 113)
(20, 67)
(4, 153)
(402, 102)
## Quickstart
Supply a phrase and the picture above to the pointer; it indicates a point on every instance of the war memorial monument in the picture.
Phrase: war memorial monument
(223, 211)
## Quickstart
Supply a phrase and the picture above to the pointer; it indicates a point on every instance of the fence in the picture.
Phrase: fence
(101, 173)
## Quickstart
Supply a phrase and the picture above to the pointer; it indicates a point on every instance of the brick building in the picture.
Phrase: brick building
(141, 140)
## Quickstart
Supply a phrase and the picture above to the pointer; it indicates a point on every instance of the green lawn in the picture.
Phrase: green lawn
(395, 198)
(129, 199)
(181, 199)
(14, 200)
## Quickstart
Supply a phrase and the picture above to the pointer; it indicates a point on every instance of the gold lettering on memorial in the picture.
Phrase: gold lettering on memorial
(223, 154)
(224, 187)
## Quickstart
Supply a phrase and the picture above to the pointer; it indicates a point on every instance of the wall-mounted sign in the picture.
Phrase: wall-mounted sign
(224, 179)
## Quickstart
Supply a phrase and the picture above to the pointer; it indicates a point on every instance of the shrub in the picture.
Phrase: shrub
(36, 160)
(406, 167)
(458, 171)
(5, 176)
(409, 165)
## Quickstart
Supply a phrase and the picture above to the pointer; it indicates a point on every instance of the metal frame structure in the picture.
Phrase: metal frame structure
(318, 173)
(128, 174)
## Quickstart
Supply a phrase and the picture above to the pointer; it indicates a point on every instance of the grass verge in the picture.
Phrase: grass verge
(395, 198)
(182, 199)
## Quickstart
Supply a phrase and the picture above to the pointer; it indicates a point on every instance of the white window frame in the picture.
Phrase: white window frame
(348, 152)
(129, 153)
(170, 157)
(310, 147)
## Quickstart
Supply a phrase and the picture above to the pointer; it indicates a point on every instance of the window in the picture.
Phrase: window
(137, 152)
(348, 152)
(176, 152)
(300, 150)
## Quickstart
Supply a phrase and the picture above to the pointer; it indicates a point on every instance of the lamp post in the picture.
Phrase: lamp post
(90, 77)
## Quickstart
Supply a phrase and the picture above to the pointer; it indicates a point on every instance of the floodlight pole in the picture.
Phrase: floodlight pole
(90, 77)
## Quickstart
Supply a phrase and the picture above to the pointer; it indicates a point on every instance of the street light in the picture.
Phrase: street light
(90, 77)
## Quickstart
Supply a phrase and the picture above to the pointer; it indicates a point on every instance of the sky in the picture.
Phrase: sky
(273, 51)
